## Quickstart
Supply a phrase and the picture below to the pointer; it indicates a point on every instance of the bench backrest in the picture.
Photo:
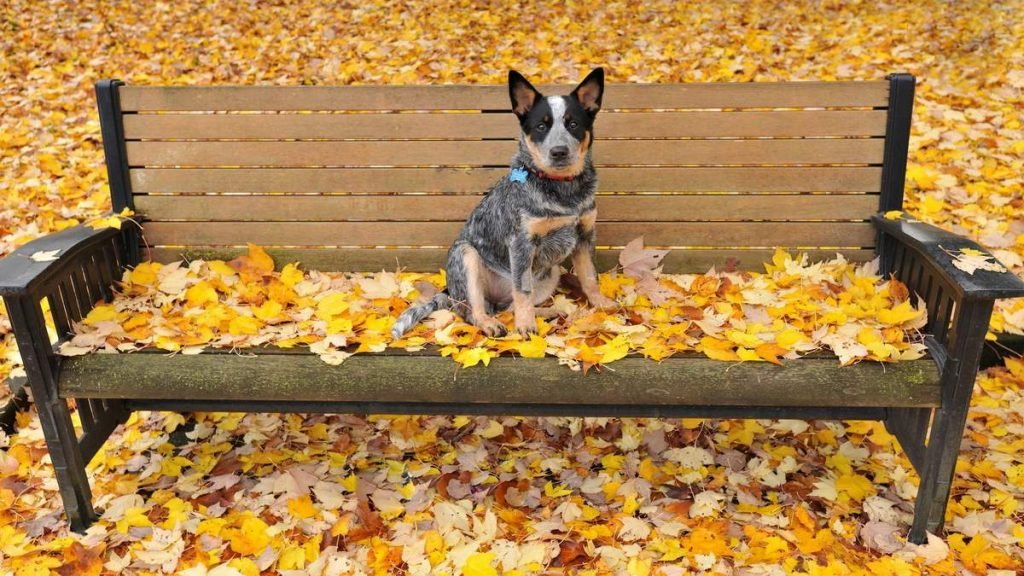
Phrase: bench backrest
(364, 177)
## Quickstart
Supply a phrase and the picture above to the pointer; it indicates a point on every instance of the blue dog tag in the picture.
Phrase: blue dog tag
(517, 175)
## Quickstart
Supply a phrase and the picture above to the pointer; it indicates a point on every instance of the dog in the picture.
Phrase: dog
(509, 251)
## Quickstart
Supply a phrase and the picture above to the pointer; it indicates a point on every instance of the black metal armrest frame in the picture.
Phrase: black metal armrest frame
(934, 243)
(86, 263)
(20, 275)
(959, 308)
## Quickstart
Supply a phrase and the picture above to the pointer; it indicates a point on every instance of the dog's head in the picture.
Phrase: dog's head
(557, 130)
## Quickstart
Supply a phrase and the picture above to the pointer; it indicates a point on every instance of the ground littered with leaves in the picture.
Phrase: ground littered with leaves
(249, 494)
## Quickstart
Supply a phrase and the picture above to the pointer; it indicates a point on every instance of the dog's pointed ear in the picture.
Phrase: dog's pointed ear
(522, 93)
(590, 91)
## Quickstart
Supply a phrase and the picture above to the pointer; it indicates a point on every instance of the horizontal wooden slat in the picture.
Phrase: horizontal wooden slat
(476, 153)
(495, 97)
(678, 261)
(674, 208)
(699, 234)
(476, 180)
(462, 126)
(431, 379)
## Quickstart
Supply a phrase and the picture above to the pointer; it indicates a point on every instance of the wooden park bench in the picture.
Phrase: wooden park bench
(371, 178)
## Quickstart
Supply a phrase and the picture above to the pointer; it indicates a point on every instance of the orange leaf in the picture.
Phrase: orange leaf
(82, 561)
(302, 507)
(256, 263)
(571, 552)
(770, 352)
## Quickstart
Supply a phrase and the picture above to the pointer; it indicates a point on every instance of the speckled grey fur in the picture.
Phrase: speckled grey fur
(496, 229)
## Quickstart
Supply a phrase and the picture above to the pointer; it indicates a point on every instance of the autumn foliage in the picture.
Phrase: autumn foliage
(234, 494)
(794, 307)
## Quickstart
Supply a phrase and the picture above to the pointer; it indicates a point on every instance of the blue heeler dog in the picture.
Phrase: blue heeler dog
(531, 220)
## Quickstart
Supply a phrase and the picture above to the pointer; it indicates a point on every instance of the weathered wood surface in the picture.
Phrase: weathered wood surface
(274, 126)
(654, 208)
(495, 97)
(497, 152)
(476, 180)
(697, 234)
(433, 379)
(678, 261)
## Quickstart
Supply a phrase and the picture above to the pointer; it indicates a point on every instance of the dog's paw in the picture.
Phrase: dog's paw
(493, 327)
(601, 301)
(525, 329)
(525, 315)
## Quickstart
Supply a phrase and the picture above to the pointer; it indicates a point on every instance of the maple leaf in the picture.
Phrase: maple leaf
(970, 260)
(250, 538)
(479, 564)
(923, 177)
(572, 553)
(200, 294)
(302, 507)
(331, 305)
(371, 521)
(13, 542)
(473, 356)
(101, 313)
(254, 264)
(112, 221)
(638, 262)
(639, 567)
(387, 503)
(45, 255)
(534, 348)
(770, 353)
(291, 275)
(382, 285)
(244, 326)
(268, 311)
(979, 555)
(553, 491)
(335, 357)
(855, 486)
(614, 350)
(144, 274)
(705, 504)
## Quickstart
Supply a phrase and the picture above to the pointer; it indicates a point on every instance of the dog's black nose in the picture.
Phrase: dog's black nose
(559, 152)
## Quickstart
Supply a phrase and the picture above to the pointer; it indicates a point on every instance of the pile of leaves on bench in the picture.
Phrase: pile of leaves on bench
(793, 308)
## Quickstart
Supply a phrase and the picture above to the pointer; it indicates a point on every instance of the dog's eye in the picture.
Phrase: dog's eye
(572, 124)
(542, 127)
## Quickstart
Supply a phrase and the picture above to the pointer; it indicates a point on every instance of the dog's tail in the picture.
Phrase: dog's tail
(415, 314)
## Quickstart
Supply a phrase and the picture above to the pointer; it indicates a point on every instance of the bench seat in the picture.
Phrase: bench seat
(425, 382)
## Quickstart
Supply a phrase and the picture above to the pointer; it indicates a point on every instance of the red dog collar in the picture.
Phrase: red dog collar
(545, 175)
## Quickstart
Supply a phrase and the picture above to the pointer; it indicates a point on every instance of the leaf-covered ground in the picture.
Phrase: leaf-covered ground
(485, 496)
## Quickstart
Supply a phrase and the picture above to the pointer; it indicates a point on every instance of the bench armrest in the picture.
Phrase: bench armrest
(78, 271)
(21, 275)
(932, 243)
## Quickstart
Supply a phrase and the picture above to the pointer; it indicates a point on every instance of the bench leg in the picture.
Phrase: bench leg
(937, 474)
(947, 427)
(68, 463)
(54, 415)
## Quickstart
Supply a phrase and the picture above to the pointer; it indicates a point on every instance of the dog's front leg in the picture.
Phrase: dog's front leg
(475, 279)
(583, 261)
(521, 252)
